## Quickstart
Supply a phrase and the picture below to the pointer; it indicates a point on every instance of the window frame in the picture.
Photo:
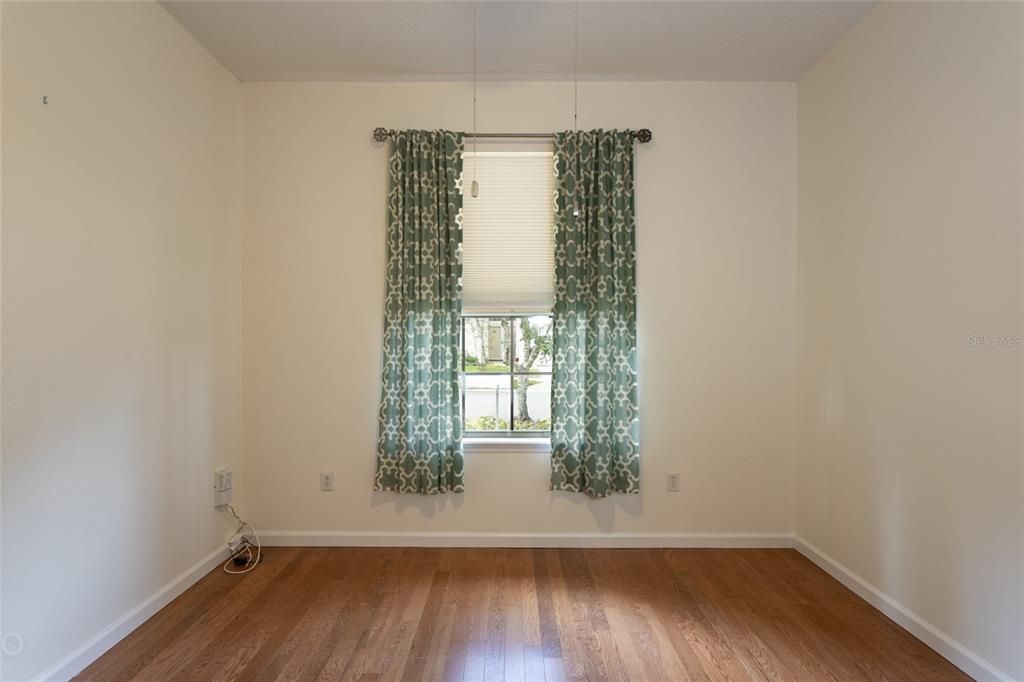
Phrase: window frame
(510, 434)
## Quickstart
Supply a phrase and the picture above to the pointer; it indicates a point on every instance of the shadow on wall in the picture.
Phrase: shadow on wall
(428, 506)
(603, 511)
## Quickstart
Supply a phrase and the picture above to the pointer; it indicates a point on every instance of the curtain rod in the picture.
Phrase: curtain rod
(381, 134)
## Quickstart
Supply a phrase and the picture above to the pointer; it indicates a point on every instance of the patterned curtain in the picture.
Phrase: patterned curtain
(420, 426)
(594, 426)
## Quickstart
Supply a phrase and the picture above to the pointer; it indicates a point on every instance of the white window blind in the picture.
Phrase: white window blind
(508, 260)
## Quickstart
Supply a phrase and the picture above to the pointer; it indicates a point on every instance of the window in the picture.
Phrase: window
(507, 293)
(506, 364)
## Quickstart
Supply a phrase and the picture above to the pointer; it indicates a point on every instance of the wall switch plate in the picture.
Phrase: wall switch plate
(326, 481)
(672, 481)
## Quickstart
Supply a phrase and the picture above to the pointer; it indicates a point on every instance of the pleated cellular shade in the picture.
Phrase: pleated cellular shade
(508, 260)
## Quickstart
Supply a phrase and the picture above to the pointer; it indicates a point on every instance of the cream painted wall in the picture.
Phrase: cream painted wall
(121, 314)
(716, 222)
(2, 630)
(910, 466)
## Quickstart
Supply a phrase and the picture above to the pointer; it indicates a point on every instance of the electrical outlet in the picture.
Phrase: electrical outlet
(326, 481)
(672, 481)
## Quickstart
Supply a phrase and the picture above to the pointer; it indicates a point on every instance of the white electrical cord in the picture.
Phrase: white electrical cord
(475, 186)
(575, 65)
(247, 546)
(576, 103)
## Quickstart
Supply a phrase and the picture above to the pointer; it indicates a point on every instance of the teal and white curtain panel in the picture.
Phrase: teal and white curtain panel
(594, 424)
(419, 447)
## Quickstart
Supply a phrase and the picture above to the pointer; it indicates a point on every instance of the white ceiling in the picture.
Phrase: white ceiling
(626, 39)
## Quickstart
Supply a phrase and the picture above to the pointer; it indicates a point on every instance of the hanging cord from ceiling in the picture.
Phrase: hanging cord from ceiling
(475, 188)
(576, 101)
(642, 135)
(575, 65)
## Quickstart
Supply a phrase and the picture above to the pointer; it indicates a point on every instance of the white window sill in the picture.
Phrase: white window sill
(506, 445)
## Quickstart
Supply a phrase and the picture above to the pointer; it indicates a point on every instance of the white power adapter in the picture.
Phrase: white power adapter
(238, 543)
(221, 487)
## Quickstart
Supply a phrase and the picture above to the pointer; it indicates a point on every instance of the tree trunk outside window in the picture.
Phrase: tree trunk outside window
(534, 344)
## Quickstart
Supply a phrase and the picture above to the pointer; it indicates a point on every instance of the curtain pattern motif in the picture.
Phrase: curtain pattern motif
(420, 425)
(594, 424)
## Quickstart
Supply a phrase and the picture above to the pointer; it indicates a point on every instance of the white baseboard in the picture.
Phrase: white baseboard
(300, 538)
(952, 650)
(102, 641)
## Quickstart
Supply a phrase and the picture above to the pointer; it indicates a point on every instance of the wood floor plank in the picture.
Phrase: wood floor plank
(726, 608)
(547, 623)
(696, 616)
(591, 620)
(529, 615)
(637, 656)
(348, 571)
(387, 627)
(261, 624)
(497, 620)
(756, 609)
(573, 633)
(788, 612)
(554, 670)
(796, 646)
(669, 615)
(359, 622)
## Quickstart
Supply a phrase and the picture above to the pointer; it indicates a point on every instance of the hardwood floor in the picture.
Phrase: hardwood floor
(522, 614)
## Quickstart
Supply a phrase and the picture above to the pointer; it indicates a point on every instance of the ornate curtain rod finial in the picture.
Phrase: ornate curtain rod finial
(382, 134)
(643, 135)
